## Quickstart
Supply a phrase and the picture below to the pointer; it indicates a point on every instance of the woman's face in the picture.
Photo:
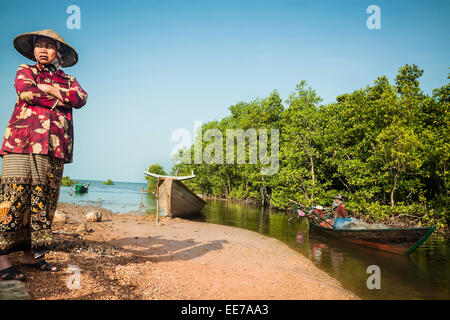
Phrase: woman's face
(45, 50)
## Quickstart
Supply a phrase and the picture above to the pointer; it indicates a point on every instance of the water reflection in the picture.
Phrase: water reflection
(336, 259)
(421, 275)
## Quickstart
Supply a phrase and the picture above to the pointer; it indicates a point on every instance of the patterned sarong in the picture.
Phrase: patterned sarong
(29, 192)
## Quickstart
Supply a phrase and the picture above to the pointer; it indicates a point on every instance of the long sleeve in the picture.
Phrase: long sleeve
(340, 210)
(75, 96)
(27, 90)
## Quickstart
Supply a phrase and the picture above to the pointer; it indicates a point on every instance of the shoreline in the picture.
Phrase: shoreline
(397, 222)
(130, 256)
(244, 201)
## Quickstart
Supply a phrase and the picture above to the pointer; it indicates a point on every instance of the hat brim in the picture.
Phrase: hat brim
(24, 44)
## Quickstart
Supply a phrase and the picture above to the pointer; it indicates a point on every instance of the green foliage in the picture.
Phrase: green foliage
(65, 181)
(108, 182)
(151, 181)
(385, 147)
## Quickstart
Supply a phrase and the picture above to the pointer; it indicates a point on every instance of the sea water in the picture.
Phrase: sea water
(120, 197)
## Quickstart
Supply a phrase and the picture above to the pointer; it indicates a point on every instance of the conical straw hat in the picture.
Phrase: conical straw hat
(24, 44)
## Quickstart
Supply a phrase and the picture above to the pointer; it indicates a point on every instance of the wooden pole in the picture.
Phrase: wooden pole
(157, 201)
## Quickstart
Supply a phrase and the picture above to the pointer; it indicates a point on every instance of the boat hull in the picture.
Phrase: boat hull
(177, 200)
(395, 240)
(80, 189)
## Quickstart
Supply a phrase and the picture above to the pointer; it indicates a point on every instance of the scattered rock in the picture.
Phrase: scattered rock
(82, 228)
(60, 217)
(63, 232)
(94, 216)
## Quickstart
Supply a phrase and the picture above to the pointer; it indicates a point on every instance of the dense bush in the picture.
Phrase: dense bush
(385, 147)
(67, 182)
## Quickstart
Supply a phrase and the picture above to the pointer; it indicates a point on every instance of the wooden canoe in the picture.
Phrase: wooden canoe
(395, 240)
(174, 198)
(81, 188)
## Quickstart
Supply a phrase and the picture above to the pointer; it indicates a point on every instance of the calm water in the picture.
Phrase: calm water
(120, 198)
(425, 274)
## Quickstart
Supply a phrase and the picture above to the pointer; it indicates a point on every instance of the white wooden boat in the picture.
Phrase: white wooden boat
(174, 198)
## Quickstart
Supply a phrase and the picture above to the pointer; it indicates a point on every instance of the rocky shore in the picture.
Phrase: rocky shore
(129, 256)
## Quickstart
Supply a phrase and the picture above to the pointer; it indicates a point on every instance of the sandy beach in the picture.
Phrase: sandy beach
(129, 256)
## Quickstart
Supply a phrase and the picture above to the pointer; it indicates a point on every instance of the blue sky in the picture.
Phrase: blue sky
(151, 67)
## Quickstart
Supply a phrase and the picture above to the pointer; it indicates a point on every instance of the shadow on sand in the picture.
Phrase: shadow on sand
(138, 250)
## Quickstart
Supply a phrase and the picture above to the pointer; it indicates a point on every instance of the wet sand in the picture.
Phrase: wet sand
(129, 256)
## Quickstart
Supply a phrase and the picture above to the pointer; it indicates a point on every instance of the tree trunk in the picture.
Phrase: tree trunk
(263, 191)
(311, 160)
(393, 190)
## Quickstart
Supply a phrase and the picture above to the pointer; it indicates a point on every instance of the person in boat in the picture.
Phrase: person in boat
(341, 220)
(339, 207)
(38, 141)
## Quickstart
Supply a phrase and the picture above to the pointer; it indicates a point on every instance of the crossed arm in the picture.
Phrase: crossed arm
(46, 95)
(51, 90)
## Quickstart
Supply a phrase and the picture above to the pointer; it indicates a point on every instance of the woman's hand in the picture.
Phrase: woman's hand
(45, 87)
(50, 90)
(54, 92)
(62, 104)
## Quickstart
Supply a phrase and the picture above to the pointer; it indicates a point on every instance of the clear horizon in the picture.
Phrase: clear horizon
(81, 179)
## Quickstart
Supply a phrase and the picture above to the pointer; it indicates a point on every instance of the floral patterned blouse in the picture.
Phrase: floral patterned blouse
(37, 124)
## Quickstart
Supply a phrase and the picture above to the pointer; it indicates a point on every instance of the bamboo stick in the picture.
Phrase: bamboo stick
(157, 200)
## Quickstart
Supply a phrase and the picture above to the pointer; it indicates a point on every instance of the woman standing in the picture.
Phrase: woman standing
(38, 142)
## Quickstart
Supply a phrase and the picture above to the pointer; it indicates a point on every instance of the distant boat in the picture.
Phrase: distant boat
(81, 188)
(174, 198)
